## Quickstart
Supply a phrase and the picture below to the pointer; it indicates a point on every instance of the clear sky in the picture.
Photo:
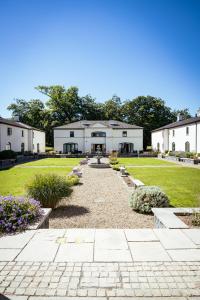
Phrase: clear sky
(105, 47)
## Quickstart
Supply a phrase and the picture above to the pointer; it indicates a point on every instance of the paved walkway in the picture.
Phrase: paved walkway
(101, 262)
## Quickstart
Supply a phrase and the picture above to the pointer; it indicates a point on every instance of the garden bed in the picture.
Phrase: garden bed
(187, 219)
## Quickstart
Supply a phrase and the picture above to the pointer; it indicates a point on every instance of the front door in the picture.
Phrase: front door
(101, 147)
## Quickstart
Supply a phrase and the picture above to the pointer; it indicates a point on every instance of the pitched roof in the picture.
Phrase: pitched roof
(16, 124)
(86, 124)
(179, 123)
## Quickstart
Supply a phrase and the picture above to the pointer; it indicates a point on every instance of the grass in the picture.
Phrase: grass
(13, 181)
(181, 184)
(135, 161)
(53, 162)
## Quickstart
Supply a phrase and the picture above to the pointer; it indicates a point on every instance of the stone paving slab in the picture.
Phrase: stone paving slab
(16, 240)
(185, 254)
(8, 254)
(80, 235)
(112, 255)
(174, 239)
(148, 251)
(82, 252)
(110, 239)
(193, 234)
(140, 235)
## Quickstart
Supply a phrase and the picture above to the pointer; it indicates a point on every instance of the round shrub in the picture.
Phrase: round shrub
(146, 197)
(73, 180)
(16, 213)
(115, 167)
(49, 189)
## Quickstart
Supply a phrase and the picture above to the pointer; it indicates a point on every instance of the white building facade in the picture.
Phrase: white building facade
(86, 136)
(20, 137)
(183, 136)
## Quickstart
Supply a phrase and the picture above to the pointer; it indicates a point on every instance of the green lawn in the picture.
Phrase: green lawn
(181, 184)
(135, 161)
(13, 181)
(53, 162)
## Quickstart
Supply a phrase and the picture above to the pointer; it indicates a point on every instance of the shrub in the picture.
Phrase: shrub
(113, 160)
(116, 168)
(73, 180)
(48, 189)
(8, 154)
(146, 197)
(16, 213)
(196, 219)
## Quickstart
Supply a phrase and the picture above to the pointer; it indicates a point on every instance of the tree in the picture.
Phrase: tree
(113, 109)
(64, 104)
(148, 112)
(30, 112)
(90, 110)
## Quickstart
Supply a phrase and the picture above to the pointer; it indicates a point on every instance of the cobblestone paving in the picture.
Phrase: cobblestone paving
(106, 280)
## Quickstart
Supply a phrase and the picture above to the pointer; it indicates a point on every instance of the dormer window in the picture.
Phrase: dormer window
(98, 134)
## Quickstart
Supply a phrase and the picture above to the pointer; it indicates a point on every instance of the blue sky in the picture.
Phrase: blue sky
(105, 47)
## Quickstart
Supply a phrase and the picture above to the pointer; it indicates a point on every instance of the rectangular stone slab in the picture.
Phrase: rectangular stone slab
(72, 252)
(174, 239)
(193, 234)
(185, 254)
(80, 235)
(112, 255)
(110, 239)
(140, 235)
(18, 240)
(8, 254)
(148, 251)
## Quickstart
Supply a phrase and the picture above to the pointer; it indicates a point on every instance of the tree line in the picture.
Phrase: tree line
(66, 105)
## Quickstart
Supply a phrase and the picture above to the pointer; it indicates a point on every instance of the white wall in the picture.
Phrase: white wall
(166, 138)
(84, 139)
(15, 139)
(38, 137)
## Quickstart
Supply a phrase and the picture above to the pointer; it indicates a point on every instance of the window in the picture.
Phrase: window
(71, 133)
(70, 148)
(9, 131)
(124, 133)
(187, 130)
(98, 134)
(173, 132)
(187, 147)
(38, 147)
(8, 146)
(22, 132)
(173, 146)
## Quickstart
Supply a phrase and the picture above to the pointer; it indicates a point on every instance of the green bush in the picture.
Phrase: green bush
(146, 197)
(72, 180)
(113, 160)
(48, 189)
(116, 168)
(8, 154)
(196, 219)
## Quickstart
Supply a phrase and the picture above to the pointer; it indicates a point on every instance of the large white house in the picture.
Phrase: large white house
(183, 135)
(85, 136)
(20, 137)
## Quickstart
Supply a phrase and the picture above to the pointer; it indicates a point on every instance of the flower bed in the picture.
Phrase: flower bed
(18, 213)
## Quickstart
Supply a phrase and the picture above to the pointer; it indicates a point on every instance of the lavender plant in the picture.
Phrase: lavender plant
(16, 213)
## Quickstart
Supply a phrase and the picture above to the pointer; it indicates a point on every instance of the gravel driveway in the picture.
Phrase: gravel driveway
(100, 201)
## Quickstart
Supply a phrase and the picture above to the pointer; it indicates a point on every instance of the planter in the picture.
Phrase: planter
(43, 223)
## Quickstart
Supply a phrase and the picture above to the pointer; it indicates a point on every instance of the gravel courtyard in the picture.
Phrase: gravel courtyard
(100, 201)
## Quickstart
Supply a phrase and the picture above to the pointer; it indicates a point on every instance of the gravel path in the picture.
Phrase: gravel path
(100, 201)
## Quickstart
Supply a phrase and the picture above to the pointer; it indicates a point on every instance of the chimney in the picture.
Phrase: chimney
(16, 118)
(198, 112)
(180, 117)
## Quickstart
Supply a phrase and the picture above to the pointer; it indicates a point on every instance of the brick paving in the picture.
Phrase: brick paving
(107, 280)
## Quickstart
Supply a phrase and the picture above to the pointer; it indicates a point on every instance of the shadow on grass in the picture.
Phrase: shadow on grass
(69, 211)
